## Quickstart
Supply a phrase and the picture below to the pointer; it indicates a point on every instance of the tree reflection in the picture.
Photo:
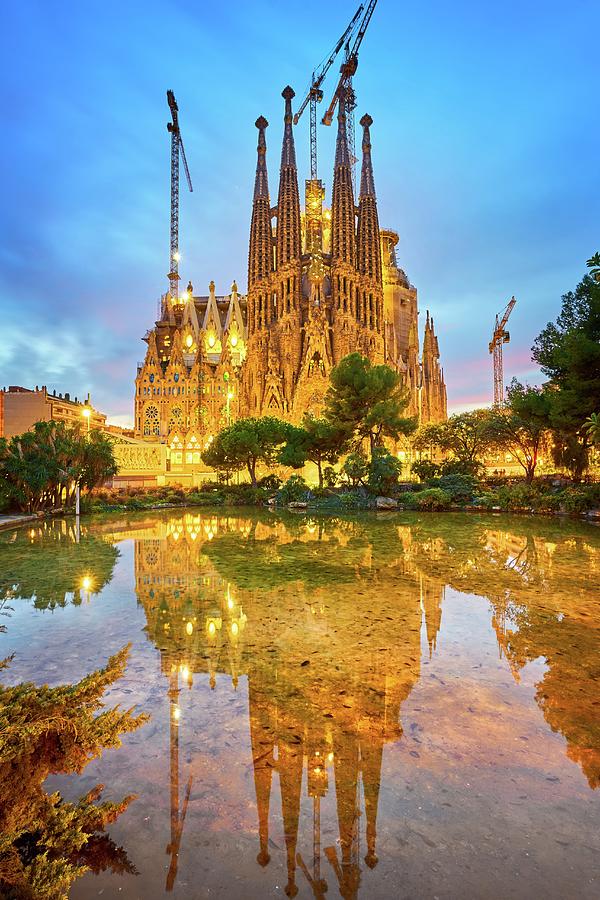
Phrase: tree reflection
(51, 566)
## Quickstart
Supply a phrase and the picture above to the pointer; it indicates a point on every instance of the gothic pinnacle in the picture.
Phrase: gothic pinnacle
(288, 152)
(367, 182)
(261, 184)
(342, 156)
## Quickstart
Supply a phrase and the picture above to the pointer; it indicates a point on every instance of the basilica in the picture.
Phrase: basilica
(322, 282)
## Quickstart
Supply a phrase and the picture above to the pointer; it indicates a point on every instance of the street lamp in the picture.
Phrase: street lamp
(87, 414)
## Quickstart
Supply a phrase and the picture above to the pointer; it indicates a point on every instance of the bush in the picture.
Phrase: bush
(425, 469)
(246, 495)
(461, 488)
(580, 499)
(433, 500)
(270, 482)
(384, 471)
(295, 489)
(461, 467)
(355, 469)
(331, 478)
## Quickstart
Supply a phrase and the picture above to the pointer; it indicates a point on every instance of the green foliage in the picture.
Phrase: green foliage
(432, 500)
(460, 488)
(465, 435)
(318, 441)
(367, 401)
(521, 426)
(570, 453)
(270, 482)
(39, 469)
(295, 489)
(384, 471)
(355, 470)
(45, 842)
(425, 469)
(568, 352)
(455, 466)
(580, 498)
(246, 443)
(592, 427)
(331, 478)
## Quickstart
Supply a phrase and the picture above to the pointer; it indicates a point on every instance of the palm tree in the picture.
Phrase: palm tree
(592, 427)
(593, 265)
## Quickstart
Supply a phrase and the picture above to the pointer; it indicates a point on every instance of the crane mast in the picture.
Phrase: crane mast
(500, 337)
(176, 151)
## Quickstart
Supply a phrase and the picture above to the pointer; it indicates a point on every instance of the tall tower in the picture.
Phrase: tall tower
(343, 245)
(370, 298)
(260, 275)
(285, 341)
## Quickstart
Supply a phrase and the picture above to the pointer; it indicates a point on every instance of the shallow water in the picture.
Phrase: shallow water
(370, 706)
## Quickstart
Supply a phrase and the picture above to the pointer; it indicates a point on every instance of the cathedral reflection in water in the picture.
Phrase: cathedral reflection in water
(266, 598)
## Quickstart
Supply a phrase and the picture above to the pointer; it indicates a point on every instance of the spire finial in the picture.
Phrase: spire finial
(288, 153)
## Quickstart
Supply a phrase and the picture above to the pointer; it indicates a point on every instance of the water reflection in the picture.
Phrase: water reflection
(267, 597)
(328, 623)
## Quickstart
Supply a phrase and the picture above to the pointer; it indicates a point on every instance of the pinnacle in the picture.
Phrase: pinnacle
(261, 123)
(366, 121)
(288, 93)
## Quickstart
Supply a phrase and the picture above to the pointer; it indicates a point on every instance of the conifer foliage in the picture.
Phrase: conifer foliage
(45, 842)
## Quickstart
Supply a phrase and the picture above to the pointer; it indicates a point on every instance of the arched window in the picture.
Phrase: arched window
(176, 419)
(151, 421)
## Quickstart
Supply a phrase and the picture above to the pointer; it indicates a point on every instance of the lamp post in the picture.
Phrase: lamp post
(86, 413)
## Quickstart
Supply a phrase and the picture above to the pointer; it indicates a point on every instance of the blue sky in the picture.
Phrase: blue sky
(486, 142)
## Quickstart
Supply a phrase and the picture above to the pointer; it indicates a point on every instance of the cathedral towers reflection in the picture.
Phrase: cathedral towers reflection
(326, 624)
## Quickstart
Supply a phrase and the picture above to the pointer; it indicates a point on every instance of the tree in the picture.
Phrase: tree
(317, 441)
(592, 427)
(367, 401)
(45, 842)
(246, 443)
(41, 467)
(384, 471)
(568, 352)
(466, 435)
(356, 468)
(520, 428)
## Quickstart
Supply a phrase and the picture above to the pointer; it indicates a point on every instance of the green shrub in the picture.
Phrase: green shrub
(134, 503)
(384, 471)
(246, 495)
(461, 488)
(355, 469)
(270, 482)
(433, 499)
(425, 469)
(331, 478)
(295, 489)
(461, 467)
(580, 499)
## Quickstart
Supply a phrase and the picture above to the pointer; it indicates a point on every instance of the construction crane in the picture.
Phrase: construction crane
(176, 151)
(344, 86)
(315, 94)
(500, 337)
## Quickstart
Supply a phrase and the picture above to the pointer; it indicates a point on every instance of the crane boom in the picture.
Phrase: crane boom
(350, 63)
(500, 337)
(177, 151)
(315, 94)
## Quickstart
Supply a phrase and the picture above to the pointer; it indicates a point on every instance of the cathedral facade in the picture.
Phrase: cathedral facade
(322, 283)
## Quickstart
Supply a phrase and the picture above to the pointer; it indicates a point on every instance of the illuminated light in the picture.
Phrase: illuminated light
(235, 629)
(177, 713)
(230, 603)
(32, 533)
(212, 628)
(189, 341)
(189, 628)
(330, 757)
(86, 583)
(185, 672)
(234, 340)
(177, 256)
(211, 340)
(230, 395)
(86, 412)
(317, 770)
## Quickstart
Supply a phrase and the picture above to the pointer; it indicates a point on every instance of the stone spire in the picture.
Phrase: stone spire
(343, 235)
(368, 241)
(288, 203)
(260, 257)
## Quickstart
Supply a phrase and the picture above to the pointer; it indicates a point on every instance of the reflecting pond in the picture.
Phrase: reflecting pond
(376, 706)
